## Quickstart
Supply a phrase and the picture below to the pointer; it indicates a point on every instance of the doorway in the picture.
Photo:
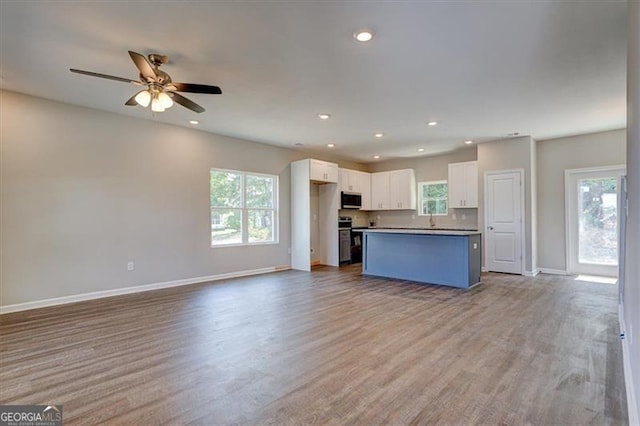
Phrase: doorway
(504, 220)
(592, 225)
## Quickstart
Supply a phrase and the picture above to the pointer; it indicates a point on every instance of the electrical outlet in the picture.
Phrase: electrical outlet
(130, 266)
(454, 217)
(413, 216)
(464, 216)
(475, 246)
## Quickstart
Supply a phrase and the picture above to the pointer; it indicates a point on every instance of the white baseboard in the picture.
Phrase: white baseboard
(484, 269)
(531, 273)
(553, 271)
(632, 402)
(137, 289)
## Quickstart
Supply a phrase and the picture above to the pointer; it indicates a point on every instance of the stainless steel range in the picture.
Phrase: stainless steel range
(344, 238)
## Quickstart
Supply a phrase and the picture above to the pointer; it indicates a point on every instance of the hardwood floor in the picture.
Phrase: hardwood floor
(329, 347)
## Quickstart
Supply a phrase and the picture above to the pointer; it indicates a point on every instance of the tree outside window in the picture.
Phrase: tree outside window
(243, 208)
(432, 198)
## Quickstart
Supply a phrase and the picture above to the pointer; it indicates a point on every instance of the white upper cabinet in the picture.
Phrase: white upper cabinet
(380, 191)
(364, 179)
(322, 171)
(463, 185)
(402, 190)
(359, 183)
(393, 190)
(349, 181)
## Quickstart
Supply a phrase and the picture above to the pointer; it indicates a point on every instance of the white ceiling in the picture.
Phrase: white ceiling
(482, 69)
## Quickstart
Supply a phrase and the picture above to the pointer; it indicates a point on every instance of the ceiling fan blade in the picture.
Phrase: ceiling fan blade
(187, 103)
(110, 77)
(197, 88)
(132, 100)
(146, 70)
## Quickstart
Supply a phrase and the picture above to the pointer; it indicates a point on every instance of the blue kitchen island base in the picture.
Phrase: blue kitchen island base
(434, 257)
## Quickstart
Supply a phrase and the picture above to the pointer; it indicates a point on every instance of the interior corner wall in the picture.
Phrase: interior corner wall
(534, 205)
(631, 300)
(82, 192)
(554, 156)
(509, 154)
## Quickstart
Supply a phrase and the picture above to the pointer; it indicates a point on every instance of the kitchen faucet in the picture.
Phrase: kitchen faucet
(432, 223)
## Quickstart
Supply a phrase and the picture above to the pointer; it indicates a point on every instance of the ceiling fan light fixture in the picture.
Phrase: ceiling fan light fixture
(156, 105)
(165, 100)
(143, 98)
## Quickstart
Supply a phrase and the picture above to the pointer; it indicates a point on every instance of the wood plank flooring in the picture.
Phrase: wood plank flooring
(329, 347)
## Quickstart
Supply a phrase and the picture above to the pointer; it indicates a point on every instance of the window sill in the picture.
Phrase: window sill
(270, 243)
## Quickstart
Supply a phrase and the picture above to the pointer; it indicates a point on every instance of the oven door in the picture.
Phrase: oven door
(345, 245)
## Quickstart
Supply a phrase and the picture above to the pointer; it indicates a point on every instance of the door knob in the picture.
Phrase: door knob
(490, 228)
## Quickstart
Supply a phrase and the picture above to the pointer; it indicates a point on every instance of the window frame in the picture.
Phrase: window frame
(244, 223)
(421, 200)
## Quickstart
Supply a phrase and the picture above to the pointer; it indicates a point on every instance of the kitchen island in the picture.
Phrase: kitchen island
(444, 257)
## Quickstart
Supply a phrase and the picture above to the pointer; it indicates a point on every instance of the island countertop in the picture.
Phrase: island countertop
(419, 231)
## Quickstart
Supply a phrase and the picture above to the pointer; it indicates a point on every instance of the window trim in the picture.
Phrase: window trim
(244, 209)
(420, 199)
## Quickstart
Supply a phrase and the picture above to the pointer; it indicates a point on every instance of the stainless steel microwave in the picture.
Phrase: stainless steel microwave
(350, 200)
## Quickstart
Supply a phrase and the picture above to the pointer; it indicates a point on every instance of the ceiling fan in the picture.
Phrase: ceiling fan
(160, 91)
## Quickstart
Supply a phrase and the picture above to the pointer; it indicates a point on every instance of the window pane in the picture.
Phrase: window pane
(226, 226)
(437, 190)
(260, 225)
(431, 207)
(225, 189)
(259, 192)
(441, 207)
(425, 208)
(598, 233)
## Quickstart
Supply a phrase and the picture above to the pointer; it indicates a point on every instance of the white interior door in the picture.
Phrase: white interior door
(592, 220)
(504, 233)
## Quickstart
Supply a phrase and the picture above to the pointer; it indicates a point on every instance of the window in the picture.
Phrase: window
(432, 198)
(244, 208)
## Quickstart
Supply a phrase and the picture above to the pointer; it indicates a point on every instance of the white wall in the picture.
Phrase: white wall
(427, 169)
(84, 191)
(554, 157)
(631, 305)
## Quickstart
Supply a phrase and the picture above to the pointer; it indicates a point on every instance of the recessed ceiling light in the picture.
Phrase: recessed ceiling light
(432, 123)
(468, 142)
(324, 116)
(420, 149)
(376, 156)
(363, 35)
(379, 135)
(331, 145)
(194, 122)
